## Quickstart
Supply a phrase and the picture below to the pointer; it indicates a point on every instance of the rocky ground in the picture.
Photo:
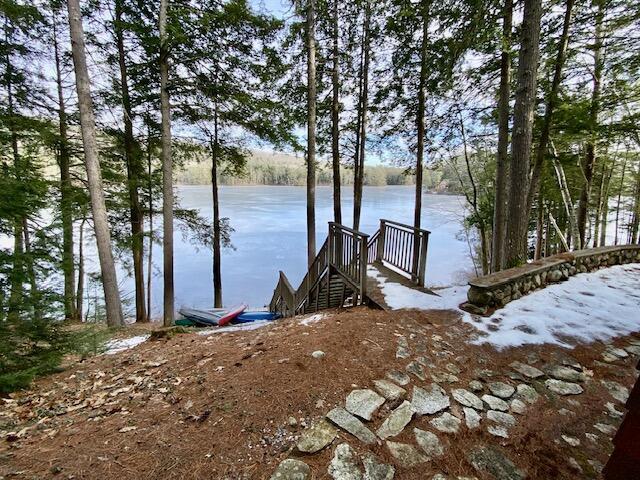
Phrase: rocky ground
(358, 394)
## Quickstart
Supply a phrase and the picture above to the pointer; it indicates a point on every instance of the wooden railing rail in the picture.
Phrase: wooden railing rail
(348, 255)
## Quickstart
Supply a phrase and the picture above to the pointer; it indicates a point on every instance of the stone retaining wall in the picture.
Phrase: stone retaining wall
(496, 290)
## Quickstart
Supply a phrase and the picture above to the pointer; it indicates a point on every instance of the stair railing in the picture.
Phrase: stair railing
(348, 256)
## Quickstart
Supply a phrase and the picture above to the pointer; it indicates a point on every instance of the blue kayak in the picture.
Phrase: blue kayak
(247, 317)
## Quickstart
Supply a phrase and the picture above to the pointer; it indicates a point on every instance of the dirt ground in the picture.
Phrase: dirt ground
(231, 406)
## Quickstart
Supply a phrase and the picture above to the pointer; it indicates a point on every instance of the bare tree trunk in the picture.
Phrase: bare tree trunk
(311, 132)
(217, 272)
(590, 159)
(134, 168)
(566, 200)
(362, 124)
(517, 219)
(502, 160)
(80, 291)
(150, 255)
(92, 163)
(552, 100)
(635, 219)
(420, 120)
(596, 230)
(64, 162)
(539, 229)
(31, 273)
(604, 214)
(624, 168)
(167, 169)
(335, 115)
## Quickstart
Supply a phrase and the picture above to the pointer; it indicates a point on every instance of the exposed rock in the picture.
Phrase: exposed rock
(612, 411)
(526, 370)
(451, 368)
(494, 462)
(344, 464)
(351, 424)
(318, 436)
(573, 441)
(528, 393)
(633, 349)
(396, 421)
(363, 403)
(501, 389)
(471, 418)
(502, 418)
(466, 398)
(318, 354)
(476, 386)
(292, 469)
(400, 378)
(574, 464)
(565, 373)
(444, 377)
(592, 436)
(498, 431)
(403, 348)
(616, 352)
(389, 390)
(416, 369)
(563, 388)
(495, 403)
(605, 428)
(425, 362)
(617, 391)
(374, 469)
(406, 455)
(428, 442)
(446, 423)
(517, 406)
(429, 402)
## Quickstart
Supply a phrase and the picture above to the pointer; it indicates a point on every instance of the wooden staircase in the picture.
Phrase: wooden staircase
(338, 275)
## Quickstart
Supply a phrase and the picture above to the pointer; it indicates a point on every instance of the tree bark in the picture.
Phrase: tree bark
(151, 212)
(66, 201)
(590, 158)
(420, 120)
(362, 123)
(604, 213)
(624, 168)
(167, 169)
(502, 160)
(311, 132)
(635, 219)
(92, 164)
(80, 291)
(335, 114)
(552, 100)
(133, 159)
(517, 219)
(217, 272)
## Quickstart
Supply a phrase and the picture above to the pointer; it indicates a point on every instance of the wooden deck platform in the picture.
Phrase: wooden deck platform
(375, 296)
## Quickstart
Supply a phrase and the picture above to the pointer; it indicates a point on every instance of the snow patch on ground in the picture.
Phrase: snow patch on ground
(235, 328)
(588, 307)
(116, 346)
(398, 296)
(312, 319)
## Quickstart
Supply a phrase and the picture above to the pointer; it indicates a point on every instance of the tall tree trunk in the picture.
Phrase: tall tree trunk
(217, 272)
(517, 219)
(596, 229)
(590, 158)
(335, 114)
(362, 124)
(150, 255)
(635, 219)
(502, 160)
(167, 169)
(624, 168)
(311, 132)
(92, 164)
(604, 214)
(31, 273)
(420, 120)
(539, 229)
(66, 201)
(133, 159)
(80, 291)
(552, 100)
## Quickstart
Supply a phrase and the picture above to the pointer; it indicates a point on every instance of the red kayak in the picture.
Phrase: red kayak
(231, 315)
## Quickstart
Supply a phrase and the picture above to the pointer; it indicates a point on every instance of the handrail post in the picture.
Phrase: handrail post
(423, 258)
(363, 267)
(381, 241)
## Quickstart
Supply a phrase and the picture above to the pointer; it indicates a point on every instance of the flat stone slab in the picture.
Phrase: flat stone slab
(494, 462)
(466, 398)
(560, 372)
(398, 377)
(396, 421)
(406, 455)
(428, 402)
(563, 388)
(446, 423)
(476, 386)
(498, 431)
(389, 390)
(501, 418)
(526, 370)
(316, 437)
(617, 352)
(495, 403)
(416, 369)
(374, 469)
(363, 403)
(605, 428)
(351, 424)
(344, 464)
(527, 393)
(633, 349)
(428, 442)
(501, 389)
(617, 391)
(471, 418)
(573, 441)
(292, 469)
(518, 406)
